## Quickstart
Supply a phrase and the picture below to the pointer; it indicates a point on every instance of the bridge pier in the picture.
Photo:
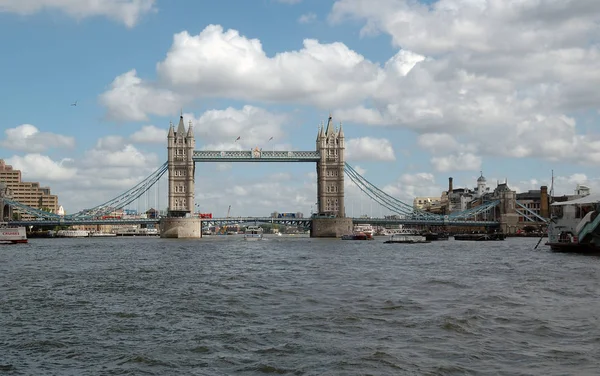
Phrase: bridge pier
(180, 227)
(330, 227)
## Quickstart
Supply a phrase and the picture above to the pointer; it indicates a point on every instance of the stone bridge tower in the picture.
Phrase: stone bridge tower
(330, 170)
(180, 150)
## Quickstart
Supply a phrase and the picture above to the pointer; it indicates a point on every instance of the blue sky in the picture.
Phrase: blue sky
(425, 91)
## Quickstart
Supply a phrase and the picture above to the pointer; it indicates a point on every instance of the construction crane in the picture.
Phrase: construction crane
(224, 228)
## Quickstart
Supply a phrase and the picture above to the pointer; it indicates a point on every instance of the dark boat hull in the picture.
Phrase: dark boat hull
(435, 236)
(574, 248)
(407, 241)
(356, 237)
(480, 237)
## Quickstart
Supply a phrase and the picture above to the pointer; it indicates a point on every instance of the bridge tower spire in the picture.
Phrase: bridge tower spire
(181, 167)
(330, 170)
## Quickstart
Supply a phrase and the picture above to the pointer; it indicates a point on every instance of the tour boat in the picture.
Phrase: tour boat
(12, 234)
(575, 225)
(253, 233)
(364, 229)
(100, 234)
(407, 237)
(358, 236)
(72, 234)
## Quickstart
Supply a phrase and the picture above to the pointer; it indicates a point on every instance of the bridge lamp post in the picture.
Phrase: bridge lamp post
(269, 140)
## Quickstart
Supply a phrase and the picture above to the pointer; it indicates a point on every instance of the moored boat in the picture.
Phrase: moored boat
(72, 234)
(253, 233)
(480, 237)
(357, 236)
(12, 234)
(100, 234)
(407, 237)
(575, 225)
(431, 236)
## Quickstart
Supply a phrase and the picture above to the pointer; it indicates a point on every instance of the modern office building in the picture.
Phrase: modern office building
(27, 193)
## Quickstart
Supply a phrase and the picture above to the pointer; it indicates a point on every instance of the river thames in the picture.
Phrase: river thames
(296, 306)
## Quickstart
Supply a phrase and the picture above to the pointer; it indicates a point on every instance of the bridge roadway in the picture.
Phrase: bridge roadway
(232, 220)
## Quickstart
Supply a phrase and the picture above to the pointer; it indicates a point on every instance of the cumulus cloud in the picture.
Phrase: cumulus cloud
(37, 167)
(223, 63)
(219, 129)
(490, 95)
(482, 72)
(125, 11)
(307, 18)
(110, 153)
(456, 162)
(150, 134)
(131, 99)
(369, 148)
(409, 186)
(27, 137)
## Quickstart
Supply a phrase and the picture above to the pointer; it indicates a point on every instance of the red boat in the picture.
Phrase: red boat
(357, 236)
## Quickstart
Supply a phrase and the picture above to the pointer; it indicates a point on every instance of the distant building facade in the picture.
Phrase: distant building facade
(426, 203)
(27, 193)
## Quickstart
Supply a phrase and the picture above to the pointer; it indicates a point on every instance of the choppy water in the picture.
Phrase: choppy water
(296, 306)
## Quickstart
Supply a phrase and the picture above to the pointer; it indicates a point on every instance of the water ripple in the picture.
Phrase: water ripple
(296, 306)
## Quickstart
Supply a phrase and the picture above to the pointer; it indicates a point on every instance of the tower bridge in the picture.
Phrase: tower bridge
(331, 168)
(328, 157)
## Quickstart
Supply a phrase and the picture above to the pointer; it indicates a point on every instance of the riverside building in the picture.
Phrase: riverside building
(27, 193)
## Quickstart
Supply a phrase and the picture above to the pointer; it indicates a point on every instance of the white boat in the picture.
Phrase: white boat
(365, 229)
(72, 233)
(100, 234)
(12, 234)
(407, 236)
(253, 233)
(575, 225)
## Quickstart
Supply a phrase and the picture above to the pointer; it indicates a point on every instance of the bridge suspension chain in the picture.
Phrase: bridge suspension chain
(376, 198)
(385, 199)
(123, 199)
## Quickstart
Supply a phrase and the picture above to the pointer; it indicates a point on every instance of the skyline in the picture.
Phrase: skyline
(425, 90)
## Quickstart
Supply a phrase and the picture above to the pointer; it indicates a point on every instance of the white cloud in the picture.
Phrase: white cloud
(108, 154)
(219, 129)
(37, 167)
(150, 134)
(369, 148)
(495, 98)
(220, 63)
(438, 142)
(456, 162)
(125, 11)
(27, 137)
(131, 99)
(307, 18)
(499, 76)
(409, 186)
